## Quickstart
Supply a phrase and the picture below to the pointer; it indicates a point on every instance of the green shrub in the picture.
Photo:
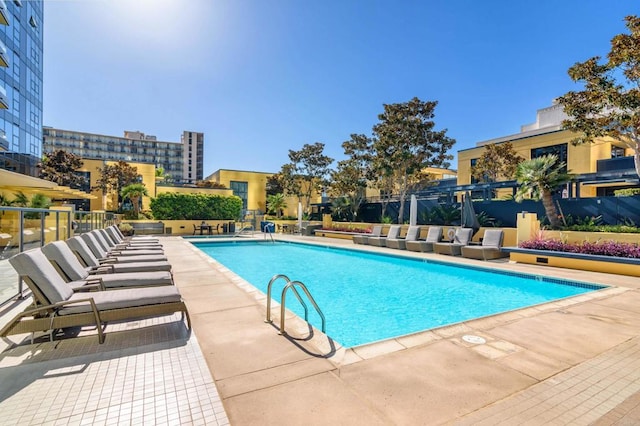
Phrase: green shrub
(627, 192)
(173, 206)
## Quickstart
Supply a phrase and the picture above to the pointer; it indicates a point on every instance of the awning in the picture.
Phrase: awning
(611, 182)
(11, 182)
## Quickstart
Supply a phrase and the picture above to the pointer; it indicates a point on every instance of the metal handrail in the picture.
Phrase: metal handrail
(275, 278)
(292, 285)
(267, 230)
(242, 230)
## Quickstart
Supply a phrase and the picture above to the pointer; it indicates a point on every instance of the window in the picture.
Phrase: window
(473, 164)
(617, 152)
(559, 150)
(241, 189)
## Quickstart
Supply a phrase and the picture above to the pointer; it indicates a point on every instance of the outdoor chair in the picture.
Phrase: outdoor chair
(461, 238)
(99, 251)
(490, 248)
(76, 275)
(133, 238)
(394, 232)
(105, 240)
(434, 235)
(400, 243)
(364, 238)
(58, 306)
(112, 238)
(119, 264)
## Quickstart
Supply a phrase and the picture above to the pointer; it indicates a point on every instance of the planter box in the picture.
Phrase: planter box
(336, 234)
(585, 262)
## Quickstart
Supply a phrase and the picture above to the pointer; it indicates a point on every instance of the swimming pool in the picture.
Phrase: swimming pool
(369, 297)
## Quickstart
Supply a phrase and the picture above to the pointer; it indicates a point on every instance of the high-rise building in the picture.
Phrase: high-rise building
(192, 156)
(182, 160)
(21, 85)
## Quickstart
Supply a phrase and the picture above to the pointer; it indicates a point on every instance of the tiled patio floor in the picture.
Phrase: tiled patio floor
(572, 362)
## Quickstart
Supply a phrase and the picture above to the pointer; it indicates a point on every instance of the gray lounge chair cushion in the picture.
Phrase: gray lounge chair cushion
(141, 266)
(124, 298)
(394, 232)
(60, 253)
(35, 265)
(461, 238)
(363, 239)
(400, 243)
(129, 279)
(79, 246)
(493, 238)
(108, 247)
(97, 250)
(434, 235)
(132, 244)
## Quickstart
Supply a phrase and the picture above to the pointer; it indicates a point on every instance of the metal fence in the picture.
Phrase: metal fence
(26, 228)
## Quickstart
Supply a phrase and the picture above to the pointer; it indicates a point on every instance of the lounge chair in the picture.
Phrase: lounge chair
(133, 238)
(58, 306)
(490, 248)
(103, 237)
(118, 238)
(364, 238)
(400, 243)
(394, 232)
(100, 252)
(434, 235)
(76, 275)
(120, 264)
(461, 238)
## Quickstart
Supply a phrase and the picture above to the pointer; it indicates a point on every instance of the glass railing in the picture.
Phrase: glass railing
(26, 228)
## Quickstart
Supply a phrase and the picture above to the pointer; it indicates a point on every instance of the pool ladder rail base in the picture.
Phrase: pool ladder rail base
(292, 285)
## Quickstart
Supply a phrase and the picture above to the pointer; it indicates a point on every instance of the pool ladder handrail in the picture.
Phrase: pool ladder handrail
(292, 285)
(267, 230)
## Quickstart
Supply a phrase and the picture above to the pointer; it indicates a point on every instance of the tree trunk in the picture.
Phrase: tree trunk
(636, 157)
(403, 195)
(550, 209)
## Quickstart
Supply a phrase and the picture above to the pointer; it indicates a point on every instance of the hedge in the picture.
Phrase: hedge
(173, 206)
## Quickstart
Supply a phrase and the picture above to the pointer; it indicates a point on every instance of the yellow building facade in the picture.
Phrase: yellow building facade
(250, 186)
(547, 136)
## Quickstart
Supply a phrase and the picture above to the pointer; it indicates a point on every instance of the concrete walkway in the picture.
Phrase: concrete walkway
(575, 361)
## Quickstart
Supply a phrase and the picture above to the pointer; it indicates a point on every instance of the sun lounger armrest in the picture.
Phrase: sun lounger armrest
(107, 260)
(89, 287)
(103, 269)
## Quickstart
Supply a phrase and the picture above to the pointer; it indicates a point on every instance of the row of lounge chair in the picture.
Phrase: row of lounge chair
(92, 279)
(460, 244)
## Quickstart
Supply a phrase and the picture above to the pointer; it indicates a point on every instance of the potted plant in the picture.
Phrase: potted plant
(126, 229)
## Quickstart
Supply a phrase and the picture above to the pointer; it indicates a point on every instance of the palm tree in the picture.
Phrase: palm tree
(538, 178)
(134, 192)
(275, 203)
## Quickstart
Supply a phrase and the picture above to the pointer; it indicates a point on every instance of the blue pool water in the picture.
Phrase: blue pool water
(369, 297)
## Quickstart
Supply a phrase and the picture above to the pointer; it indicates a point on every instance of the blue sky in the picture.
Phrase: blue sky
(260, 77)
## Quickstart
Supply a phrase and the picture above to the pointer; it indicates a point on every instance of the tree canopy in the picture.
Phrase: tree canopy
(350, 178)
(307, 171)
(538, 178)
(609, 104)
(114, 177)
(134, 192)
(406, 143)
(60, 166)
(498, 161)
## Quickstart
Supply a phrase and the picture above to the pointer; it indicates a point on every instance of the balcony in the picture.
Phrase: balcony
(618, 164)
(4, 58)
(4, 13)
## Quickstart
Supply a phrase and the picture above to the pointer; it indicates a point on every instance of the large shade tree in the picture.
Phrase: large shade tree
(60, 167)
(350, 178)
(114, 177)
(609, 104)
(497, 162)
(306, 172)
(538, 179)
(406, 143)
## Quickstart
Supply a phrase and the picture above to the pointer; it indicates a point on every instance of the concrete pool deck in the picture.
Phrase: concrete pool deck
(576, 361)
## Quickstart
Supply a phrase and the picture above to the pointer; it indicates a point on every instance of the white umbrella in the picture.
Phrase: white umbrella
(300, 216)
(413, 211)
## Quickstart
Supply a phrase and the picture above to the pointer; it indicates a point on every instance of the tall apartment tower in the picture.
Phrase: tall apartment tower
(192, 156)
(21, 27)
